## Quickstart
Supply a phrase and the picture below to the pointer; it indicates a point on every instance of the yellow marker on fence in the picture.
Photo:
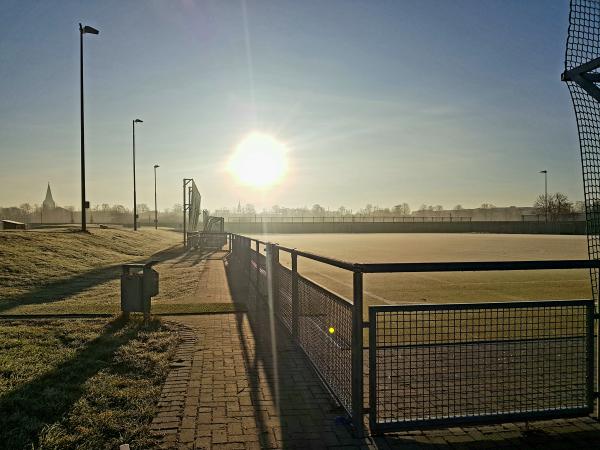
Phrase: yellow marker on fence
(331, 330)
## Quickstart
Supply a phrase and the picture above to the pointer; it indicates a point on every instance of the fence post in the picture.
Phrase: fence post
(257, 272)
(357, 353)
(274, 261)
(295, 297)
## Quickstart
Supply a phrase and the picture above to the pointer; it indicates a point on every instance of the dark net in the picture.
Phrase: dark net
(583, 45)
(445, 363)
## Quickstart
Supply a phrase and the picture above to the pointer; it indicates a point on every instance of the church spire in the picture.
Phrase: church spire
(48, 202)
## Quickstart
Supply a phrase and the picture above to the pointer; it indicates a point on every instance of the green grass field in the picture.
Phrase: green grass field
(65, 272)
(444, 287)
(81, 384)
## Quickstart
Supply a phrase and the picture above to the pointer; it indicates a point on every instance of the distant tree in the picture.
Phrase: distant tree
(579, 207)
(342, 211)
(177, 208)
(561, 204)
(249, 209)
(318, 210)
(458, 207)
(558, 205)
(487, 206)
(402, 209)
(27, 209)
(142, 208)
(105, 207)
(438, 208)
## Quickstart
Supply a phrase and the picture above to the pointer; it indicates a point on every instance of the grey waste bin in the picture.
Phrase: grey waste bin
(139, 282)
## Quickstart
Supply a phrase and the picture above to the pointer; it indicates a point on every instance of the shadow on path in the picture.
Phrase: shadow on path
(56, 291)
(291, 407)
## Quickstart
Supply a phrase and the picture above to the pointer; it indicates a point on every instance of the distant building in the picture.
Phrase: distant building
(50, 213)
(48, 202)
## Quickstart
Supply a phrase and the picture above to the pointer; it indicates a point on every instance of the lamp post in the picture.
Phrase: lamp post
(135, 216)
(84, 204)
(156, 166)
(545, 172)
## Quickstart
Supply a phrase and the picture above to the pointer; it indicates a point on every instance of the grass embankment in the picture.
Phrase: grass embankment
(66, 272)
(85, 384)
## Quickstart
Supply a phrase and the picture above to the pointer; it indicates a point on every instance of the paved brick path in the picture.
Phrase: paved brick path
(239, 384)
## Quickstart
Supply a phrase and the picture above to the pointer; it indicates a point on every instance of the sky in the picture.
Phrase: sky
(416, 101)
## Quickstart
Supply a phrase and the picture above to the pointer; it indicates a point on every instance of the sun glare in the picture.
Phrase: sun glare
(259, 160)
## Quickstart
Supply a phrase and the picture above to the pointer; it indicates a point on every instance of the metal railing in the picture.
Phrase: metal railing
(438, 365)
(442, 351)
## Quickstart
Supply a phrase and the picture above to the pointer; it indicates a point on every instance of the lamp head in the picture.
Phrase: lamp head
(543, 171)
(87, 29)
(156, 166)
(138, 121)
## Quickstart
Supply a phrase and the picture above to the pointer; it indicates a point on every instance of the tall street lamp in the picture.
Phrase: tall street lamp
(545, 172)
(135, 216)
(84, 204)
(156, 166)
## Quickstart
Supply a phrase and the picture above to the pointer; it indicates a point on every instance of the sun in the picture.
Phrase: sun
(259, 160)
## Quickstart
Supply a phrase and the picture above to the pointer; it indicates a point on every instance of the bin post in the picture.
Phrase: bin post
(357, 353)
(124, 272)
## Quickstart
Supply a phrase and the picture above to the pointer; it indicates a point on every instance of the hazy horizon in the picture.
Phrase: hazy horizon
(416, 102)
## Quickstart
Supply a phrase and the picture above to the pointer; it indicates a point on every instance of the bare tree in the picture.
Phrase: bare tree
(403, 209)
(558, 205)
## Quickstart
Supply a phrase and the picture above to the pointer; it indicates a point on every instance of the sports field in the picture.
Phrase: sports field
(444, 287)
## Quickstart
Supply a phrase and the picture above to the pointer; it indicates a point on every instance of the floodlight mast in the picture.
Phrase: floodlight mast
(545, 172)
(135, 216)
(156, 166)
(84, 204)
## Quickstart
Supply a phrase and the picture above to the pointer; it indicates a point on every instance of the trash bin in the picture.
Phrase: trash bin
(139, 282)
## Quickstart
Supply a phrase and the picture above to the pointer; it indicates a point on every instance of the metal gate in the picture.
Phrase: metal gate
(437, 365)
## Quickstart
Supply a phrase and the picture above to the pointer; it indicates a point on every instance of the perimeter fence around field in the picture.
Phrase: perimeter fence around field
(346, 219)
(428, 365)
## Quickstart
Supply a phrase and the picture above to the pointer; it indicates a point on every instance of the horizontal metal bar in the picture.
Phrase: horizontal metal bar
(482, 342)
(491, 418)
(478, 266)
(331, 261)
(483, 305)
(592, 76)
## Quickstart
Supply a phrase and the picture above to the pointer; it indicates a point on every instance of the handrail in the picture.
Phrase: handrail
(448, 266)
(478, 266)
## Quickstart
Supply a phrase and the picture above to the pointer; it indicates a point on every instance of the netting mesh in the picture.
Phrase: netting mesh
(325, 335)
(583, 45)
(451, 362)
(283, 305)
(324, 320)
